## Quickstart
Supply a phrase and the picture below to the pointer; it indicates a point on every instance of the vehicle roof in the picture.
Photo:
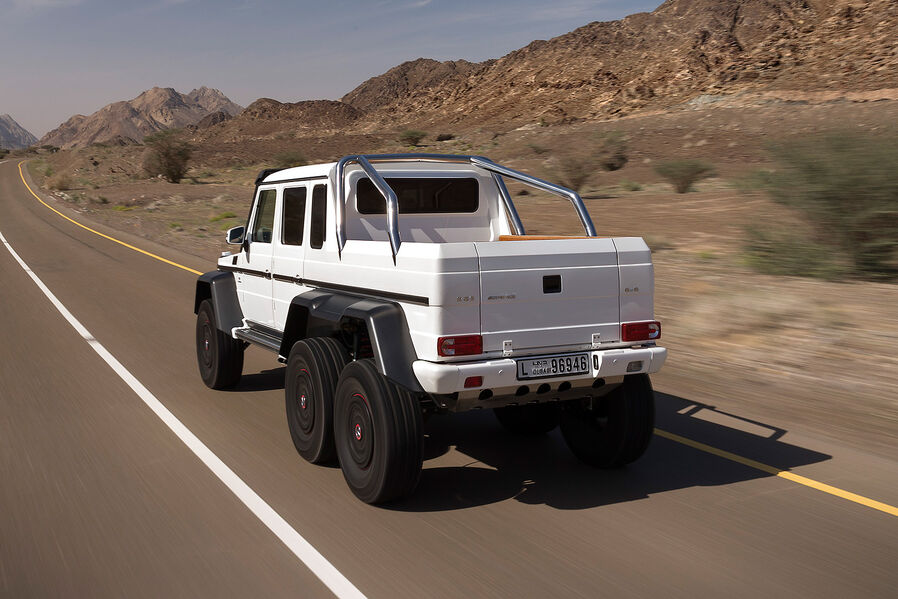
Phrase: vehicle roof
(300, 172)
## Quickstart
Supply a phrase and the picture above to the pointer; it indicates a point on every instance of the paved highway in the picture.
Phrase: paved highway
(103, 495)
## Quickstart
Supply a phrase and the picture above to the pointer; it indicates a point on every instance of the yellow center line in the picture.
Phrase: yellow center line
(103, 235)
(785, 474)
(791, 476)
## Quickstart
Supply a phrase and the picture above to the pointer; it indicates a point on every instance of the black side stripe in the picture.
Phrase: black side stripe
(402, 297)
(246, 271)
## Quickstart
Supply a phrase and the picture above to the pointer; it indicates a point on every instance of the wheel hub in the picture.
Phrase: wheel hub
(305, 415)
(361, 436)
(207, 345)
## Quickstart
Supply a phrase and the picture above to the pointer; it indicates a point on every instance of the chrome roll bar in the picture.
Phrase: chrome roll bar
(573, 196)
(392, 203)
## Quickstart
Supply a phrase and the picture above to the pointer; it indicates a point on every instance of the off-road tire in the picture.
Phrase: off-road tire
(218, 355)
(530, 420)
(378, 432)
(313, 368)
(617, 430)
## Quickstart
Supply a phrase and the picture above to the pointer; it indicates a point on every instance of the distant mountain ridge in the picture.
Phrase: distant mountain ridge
(130, 121)
(14, 136)
(683, 49)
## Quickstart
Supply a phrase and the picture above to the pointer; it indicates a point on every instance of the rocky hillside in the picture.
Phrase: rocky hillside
(266, 118)
(411, 76)
(683, 49)
(12, 135)
(153, 110)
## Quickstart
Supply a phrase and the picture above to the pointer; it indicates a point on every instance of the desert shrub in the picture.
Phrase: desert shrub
(538, 149)
(290, 158)
(630, 185)
(574, 166)
(412, 137)
(167, 154)
(780, 250)
(845, 186)
(445, 137)
(61, 182)
(574, 169)
(612, 150)
(3, 152)
(683, 174)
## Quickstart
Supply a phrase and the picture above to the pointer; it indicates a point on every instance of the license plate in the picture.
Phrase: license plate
(536, 368)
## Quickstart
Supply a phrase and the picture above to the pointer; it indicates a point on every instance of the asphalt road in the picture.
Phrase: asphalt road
(99, 498)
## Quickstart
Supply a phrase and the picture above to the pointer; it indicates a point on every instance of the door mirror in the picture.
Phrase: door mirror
(235, 235)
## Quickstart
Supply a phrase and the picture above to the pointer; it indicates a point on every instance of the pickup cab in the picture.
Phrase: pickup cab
(399, 286)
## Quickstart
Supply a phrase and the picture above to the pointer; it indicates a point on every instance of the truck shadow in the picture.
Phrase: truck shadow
(542, 470)
(266, 380)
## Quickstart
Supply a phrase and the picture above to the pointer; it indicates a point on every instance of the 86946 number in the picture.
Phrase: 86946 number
(553, 366)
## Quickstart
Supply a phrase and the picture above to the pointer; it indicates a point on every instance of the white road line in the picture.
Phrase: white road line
(323, 569)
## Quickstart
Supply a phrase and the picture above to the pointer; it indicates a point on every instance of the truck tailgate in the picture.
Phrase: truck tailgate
(544, 294)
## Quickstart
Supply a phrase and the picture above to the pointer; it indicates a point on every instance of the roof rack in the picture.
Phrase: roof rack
(366, 162)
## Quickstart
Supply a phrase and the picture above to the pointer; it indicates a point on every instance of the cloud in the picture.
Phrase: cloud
(420, 4)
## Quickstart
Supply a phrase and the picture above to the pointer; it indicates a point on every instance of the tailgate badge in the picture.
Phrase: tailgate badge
(596, 340)
(506, 348)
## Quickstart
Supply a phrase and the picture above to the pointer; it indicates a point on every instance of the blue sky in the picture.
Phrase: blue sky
(62, 57)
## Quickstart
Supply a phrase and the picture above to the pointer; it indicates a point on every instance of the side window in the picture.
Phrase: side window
(294, 215)
(319, 217)
(263, 223)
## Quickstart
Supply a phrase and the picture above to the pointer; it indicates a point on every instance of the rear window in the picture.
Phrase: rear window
(421, 196)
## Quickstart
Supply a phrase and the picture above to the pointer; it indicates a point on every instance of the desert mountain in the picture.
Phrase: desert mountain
(153, 110)
(212, 100)
(408, 77)
(12, 135)
(683, 49)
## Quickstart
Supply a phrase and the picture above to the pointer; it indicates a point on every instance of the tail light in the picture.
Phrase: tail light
(466, 345)
(640, 331)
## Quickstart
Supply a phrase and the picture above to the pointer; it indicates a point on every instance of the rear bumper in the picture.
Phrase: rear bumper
(500, 375)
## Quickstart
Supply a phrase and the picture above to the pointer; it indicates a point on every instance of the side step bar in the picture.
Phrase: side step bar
(257, 337)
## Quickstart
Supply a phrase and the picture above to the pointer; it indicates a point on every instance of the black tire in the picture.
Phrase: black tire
(617, 430)
(533, 419)
(313, 368)
(218, 355)
(378, 432)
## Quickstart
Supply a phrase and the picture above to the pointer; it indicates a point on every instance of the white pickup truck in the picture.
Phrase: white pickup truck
(398, 286)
